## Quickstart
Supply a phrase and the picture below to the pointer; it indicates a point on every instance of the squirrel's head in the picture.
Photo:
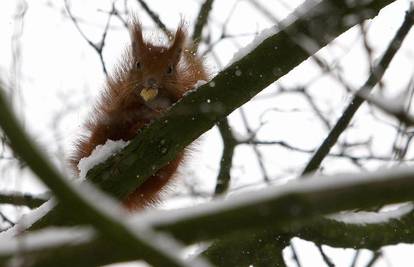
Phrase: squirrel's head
(155, 68)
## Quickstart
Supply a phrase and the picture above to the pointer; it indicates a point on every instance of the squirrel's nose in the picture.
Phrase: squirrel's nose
(151, 82)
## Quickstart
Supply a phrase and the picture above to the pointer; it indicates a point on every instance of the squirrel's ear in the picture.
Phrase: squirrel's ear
(179, 42)
(135, 31)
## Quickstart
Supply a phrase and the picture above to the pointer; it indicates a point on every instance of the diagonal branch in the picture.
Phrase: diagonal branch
(154, 17)
(376, 75)
(229, 144)
(201, 22)
(98, 46)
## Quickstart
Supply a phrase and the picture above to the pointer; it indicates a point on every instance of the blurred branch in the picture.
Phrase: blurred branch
(256, 150)
(334, 155)
(16, 46)
(260, 248)
(283, 211)
(228, 139)
(90, 205)
(18, 199)
(155, 18)
(393, 109)
(329, 232)
(202, 19)
(359, 236)
(224, 35)
(357, 101)
(316, 110)
(265, 12)
(6, 219)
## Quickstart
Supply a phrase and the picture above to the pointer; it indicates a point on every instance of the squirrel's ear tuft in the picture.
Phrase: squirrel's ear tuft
(179, 42)
(135, 31)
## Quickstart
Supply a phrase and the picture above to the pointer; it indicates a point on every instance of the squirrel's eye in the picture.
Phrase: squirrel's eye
(169, 69)
(138, 65)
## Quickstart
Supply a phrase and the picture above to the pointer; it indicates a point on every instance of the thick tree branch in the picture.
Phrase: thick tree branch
(360, 236)
(290, 210)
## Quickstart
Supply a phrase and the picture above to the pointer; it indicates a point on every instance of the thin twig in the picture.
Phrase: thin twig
(256, 150)
(377, 255)
(18, 199)
(155, 18)
(98, 47)
(294, 254)
(201, 22)
(355, 259)
(6, 219)
(325, 257)
(229, 144)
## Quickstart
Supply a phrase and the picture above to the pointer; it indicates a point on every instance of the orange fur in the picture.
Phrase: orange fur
(121, 111)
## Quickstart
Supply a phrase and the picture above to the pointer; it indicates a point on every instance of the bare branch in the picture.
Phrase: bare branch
(357, 101)
(229, 144)
(155, 18)
(201, 22)
(18, 199)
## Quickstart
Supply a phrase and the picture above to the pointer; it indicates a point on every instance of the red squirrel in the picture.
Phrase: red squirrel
(147, 81)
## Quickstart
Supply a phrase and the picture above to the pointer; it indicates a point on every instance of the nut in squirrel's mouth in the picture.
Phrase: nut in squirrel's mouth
(148, 94)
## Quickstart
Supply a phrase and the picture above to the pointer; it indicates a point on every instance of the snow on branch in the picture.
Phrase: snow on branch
(294, 208)
(44, 240)
(370, 217)
(294, 202)
(99, 155)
